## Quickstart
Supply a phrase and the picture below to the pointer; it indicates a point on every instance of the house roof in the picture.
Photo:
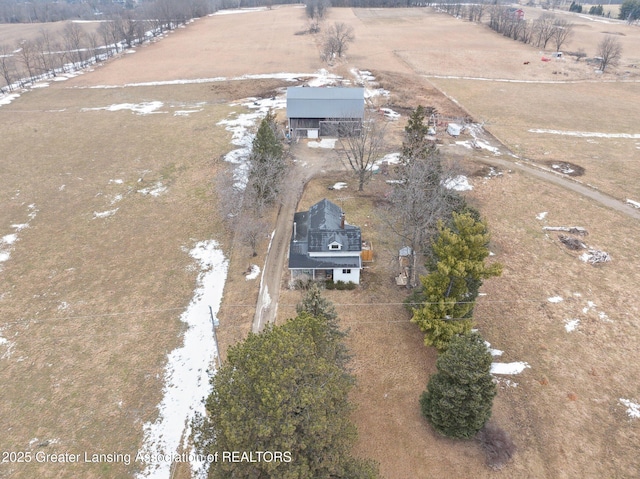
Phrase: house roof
(315, 230)
(336, 102)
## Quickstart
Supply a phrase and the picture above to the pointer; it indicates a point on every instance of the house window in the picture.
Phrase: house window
(335, 246)
(346, 271)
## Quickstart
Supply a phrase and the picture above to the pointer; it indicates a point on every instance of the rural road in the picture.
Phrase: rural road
(307, 163)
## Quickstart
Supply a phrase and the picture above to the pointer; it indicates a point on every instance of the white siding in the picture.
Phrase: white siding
(346, 275)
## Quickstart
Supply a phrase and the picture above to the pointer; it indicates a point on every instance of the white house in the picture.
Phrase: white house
(324, 246)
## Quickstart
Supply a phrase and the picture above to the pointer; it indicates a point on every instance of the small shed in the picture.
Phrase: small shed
(326, 111)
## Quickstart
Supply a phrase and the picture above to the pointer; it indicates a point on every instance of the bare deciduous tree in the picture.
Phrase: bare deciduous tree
(562, 32)
(316, 11)
(28, 55)
(251, 230)
(337, 40)
(7, 66)
(361, 146)
(610, 51)
(543, 28)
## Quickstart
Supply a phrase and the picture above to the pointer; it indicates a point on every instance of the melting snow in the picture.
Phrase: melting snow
(339, 186)
(255, 271)
(187, 372)
(144, 108)
(389, 159)
(571, 324)
(324, 143)
(494, 352)
(509, 368)
(105, 214)
(155, 190)
(555, 299)
(458, 183)
(633, 409)
(586, 134)
(541, 216)
(389, 113)
(635, 204)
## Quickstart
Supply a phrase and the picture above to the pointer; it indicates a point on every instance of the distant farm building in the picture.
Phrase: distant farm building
(314, 112)
(324, 245)
(516, 13)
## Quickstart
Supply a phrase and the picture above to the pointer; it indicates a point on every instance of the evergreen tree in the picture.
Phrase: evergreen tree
(415, 144)
(267, 164)
(458, 398)
(314, 304)
(283, 390)
(449, 291)
(630, 10)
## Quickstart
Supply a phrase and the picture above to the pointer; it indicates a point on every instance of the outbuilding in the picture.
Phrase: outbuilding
(328, 111)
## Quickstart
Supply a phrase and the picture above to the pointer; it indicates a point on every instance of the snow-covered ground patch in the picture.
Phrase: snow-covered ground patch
(340, 185)
(105, 214)
(255, 271)
(541, 216)
(633, 409)
(509, 368)
(390, 159)
(555, 299)
(8, 241)
(185, 112)
(594, 256)
(235, 11)
(8, 98)
(144, 108)
(586, 134)
(458, 183)
(494, 352)
(188, 370)
(390, 114)
(368, 81)
(571, 324)
(635, 204)
(328, 143)
(155, 190)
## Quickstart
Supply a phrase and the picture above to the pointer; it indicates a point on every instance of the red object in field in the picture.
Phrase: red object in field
(545, 59)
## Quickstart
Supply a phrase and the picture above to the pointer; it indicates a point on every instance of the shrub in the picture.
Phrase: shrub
(329, 284)
(496, 444)
(340, 285)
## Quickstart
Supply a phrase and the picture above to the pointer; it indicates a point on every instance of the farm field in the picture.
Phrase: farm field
(108, 199)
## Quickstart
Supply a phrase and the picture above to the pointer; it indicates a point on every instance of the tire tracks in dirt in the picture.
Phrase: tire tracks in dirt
(307, 164)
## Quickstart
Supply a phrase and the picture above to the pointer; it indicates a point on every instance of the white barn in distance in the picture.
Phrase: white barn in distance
(328, 111)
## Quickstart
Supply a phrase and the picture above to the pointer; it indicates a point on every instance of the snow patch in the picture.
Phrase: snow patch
(324, 143)
(389, 159)
(635, 204)
(633, 409)
(541, 216)
(494, 352)
(571, 324)
(555, 299)
(339, 186)
(586, 134)
(458, 183)
(509, 368)
(255, 271)
(235, 11)
(155, 190)
(105, 214)
(189, 367)
(390, 114)
(144, 108)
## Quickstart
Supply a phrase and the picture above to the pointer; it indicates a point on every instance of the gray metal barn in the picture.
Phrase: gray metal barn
(327, 111)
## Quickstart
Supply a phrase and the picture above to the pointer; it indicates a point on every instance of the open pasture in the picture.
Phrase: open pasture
(107, 201)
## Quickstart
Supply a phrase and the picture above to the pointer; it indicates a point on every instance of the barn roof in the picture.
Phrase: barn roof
(334, 102)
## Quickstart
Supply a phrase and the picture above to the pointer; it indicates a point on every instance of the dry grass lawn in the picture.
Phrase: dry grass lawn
(90, 306)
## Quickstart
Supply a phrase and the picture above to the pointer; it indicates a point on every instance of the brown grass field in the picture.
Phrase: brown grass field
(90, 307)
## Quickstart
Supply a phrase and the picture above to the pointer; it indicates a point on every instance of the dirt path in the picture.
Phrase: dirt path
(307, 163)
(580, 188)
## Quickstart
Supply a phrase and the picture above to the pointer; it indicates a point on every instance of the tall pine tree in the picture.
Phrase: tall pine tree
(459, 396)
(283, 390)
(449, 291)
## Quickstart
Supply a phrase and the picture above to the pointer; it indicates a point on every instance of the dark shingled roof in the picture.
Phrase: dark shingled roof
(315, 230)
